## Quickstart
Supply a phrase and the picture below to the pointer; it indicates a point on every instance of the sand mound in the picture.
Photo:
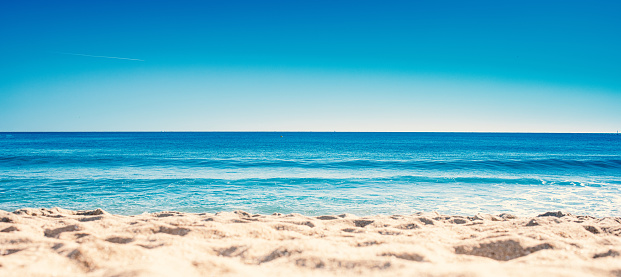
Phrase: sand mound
(48, 242)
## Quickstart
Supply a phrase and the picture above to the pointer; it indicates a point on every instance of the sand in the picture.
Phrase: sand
(57, 242)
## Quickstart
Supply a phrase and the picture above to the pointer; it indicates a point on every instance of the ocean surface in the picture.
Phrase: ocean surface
(313, 173)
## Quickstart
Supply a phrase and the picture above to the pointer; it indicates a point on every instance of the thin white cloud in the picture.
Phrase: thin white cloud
(94, 56)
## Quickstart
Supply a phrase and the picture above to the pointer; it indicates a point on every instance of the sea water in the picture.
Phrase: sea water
(313, 173)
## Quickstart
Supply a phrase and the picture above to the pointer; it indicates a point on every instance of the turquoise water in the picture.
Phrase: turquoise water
(313, 173)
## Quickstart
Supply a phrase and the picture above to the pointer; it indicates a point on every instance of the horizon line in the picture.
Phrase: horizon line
(277, 131)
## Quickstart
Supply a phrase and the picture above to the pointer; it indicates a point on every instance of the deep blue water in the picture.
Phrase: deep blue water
(313, 173)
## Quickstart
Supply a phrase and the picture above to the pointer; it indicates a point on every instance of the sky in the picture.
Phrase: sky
(415, 66)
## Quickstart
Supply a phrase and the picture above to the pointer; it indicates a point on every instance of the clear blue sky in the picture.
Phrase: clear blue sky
(523, 66)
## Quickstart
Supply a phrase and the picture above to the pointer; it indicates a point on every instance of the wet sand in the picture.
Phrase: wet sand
(57, 242)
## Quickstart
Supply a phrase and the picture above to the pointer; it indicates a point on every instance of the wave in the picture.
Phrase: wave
(305, 182)
(137, 161)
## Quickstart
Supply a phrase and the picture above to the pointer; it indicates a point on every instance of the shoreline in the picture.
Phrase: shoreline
(45, 242)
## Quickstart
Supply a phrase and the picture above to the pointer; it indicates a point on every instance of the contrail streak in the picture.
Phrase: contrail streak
(107, 57)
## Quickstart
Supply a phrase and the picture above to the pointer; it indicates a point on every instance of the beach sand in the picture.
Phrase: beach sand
(57, 242)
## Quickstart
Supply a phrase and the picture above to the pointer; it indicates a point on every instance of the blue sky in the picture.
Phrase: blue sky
(510, 66)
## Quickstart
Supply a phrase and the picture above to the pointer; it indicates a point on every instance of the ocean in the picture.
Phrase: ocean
(313, 173)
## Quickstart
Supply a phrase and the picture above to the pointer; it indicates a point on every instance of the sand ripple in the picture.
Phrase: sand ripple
(48, 242)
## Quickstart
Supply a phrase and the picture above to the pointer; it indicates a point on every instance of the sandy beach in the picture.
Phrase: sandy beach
(58, 242)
